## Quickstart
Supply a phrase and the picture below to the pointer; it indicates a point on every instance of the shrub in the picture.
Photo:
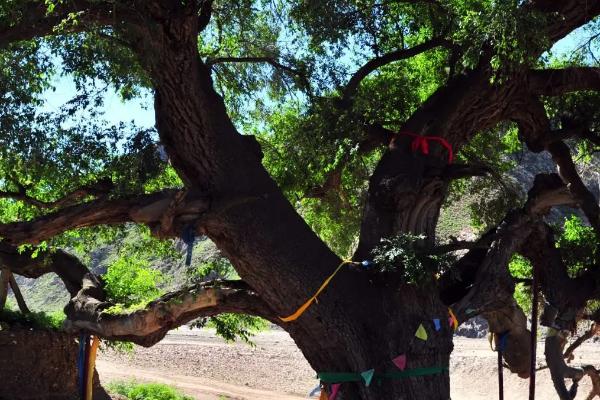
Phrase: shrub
(146, 391)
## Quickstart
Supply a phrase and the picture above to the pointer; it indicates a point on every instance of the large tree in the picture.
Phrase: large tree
(361, 119)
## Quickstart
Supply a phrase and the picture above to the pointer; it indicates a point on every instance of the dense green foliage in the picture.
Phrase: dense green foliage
(520, 267)
(402, 251)
(304, 129)
(578, 244)
(34, 320)
(146, 391)
(132, 283)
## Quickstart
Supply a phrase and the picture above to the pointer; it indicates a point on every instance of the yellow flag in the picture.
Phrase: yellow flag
(421, 332)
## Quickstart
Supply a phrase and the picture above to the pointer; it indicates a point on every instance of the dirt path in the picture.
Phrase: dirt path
(206, 368)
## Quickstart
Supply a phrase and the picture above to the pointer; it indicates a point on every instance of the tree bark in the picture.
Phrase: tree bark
(4, 283)
(18, 296)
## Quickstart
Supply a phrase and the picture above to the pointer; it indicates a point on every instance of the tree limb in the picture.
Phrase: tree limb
(378, 62)
(480, 282)
(147, 209)
(87, 308)
(31, 19)
(534, 127)
(590, 333)
(149, 325)
(561, 154)
(559, 370)
(554, 82)
(205, 14)
(565, 16)
(210, 62)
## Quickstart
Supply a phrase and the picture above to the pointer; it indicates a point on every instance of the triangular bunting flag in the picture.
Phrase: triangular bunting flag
(334, 391)
(323, 395)
(400, 362)
(453, 321)
(421, 333)
(367, 376)
(436, 323)
(315, 391)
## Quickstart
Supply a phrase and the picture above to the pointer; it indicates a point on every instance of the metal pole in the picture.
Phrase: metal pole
(500, 375)
(534, 328)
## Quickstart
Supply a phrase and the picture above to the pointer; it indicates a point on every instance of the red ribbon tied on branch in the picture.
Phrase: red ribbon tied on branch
(422, 143)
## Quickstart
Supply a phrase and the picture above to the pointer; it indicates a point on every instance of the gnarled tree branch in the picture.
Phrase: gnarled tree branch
(149, 325)
(88, 307)
(378, 62)
(146, 209)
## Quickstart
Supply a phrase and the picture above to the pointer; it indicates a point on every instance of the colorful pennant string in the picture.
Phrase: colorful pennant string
(436, 324)
(422, 143)
(315, 391)
(344, 377)
(400, 362)
(305, 306)
(421, 333)
(367, 376)
(335, 388)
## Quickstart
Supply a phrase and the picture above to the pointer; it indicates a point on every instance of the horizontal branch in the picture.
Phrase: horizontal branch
(146, 209)
(87, 309)
(240, 60)
(388, 58)
(149, 325)
(548, 191)
(554, 82)
(458, 171)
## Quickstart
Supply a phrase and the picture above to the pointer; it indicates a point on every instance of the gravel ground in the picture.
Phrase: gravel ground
(206, 368)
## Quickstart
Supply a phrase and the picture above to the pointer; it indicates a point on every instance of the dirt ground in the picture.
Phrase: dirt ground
(206, 368)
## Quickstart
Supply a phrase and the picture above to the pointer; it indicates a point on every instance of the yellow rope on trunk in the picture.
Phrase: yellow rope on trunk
(304, 306)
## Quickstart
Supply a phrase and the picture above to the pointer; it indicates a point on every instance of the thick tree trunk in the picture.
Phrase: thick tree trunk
(382, 326)
(363, 320)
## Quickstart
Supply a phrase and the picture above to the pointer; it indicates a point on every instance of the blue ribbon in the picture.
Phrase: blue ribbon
(188, 237)
(503, 341)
